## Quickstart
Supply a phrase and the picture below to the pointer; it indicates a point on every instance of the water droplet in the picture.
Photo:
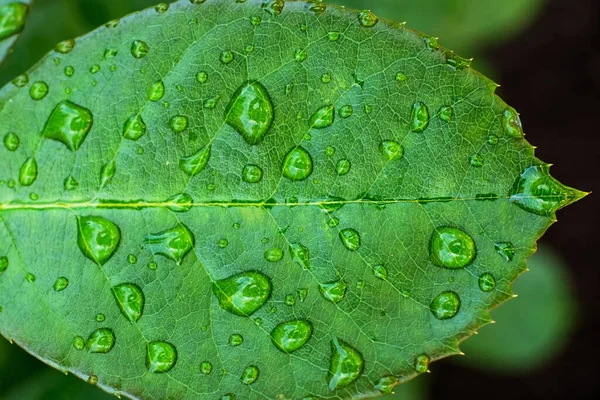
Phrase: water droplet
(100, 317)
(506, 250)
(130, 300)
(333, 291)
(487, 282)
(255, 21)
(101, 341)
(69, 71)
(419, 117)
(333, 222)
(107, 173)
(274, 7)
(180, 202)
(297, 165)
(244, 293)
(273, 255)
(316, 6)
(12, 19)
(300, 55)
(380, 272)
(367, 18)
(457, 62)
(94, 69)
(476, 161)
(30, 277)
(350, 239)
(201, 77)
(422, 363)
(323, 117)
(134, 128)
(537, 192)
(445, 113)
(228, 396)
(250, 375)
(131, 259)
(343, 167)
(3, 264)
(139, 49)
(60, 284)
(391, 150)
(211, 103)
(97, 238)
(333, 36)
(29, 172)
(302, 294)
(300, 255)
(290, 300)
(252, 174)
(38, 90)
(292, 335)
(431, 43)
(226, 57)
(445, 305)
(69, 123)
(400, 77)
(194, 164)
(11, 141)
(78, 343)
(330, 150)
(160, 357)
(250, 112)
(326, 78)
(493, 140)
(512, 123)
(179, 123)
(452, 248)
(161, 8)
(156, 91)
(172, 243)
(345, 366)
(110, 53)
(70, 183)
(223, 243)
(346, 111)
(386, 384)
(206, 367)
(236, 340)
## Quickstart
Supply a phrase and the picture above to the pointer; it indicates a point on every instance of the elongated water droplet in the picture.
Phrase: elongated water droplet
(452, 248)
(506, 250)
(3, 264)
(250, 112)
(139, 49)
(101, 341)
(130, 300)
(161, 8)
(422, 363)
(134, 128)
(290, 336)
(250, 375)
(66, 46)
(60, 284)
(11, 141)
(29, 172)
(536, 191)
(97, 238)
(30, 277)
(386, 384)
(297, 165)
(345, 366)
(156, 91)
(487, 282)
(300, 255)
(172, 243)
(244, 293)
(252, 173)
(323, 117)
(160, 357)
(512, 123)
(180, 202)
(333, 291)
(350, 239)
(70, 124)
(194, 164)
(273, 255)
(236, 340)
(343, 167)
(445, 305)
(391, 150)
(206, 367)
(367, 18)
(419, 117)
(12, 19)
(107, 173)
(178, 123)
(380, 272)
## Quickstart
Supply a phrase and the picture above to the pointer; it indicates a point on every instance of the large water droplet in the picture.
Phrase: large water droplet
(252, 173)
(160, 357)
(512, 123)
(350, 239)
(250, 112)
(244, 293)
(250, 375)
(419, 117)
(300, 255)
(11, 141)
(172, 243)
(97, 238)
(69, 123)
(134, 128)
(12, 19)
(273, 255)
(194, 164)
(367, 18)
(487, 282)
(506, 250)
(60, 284)
(391, 150)
(445, 305)
(333, 291)
(297, 165)
(139, 49)
(29, 172)
(290, 336)
(386, 384)
(539, 193)
(101, 341)
(323, 117)
(457, 61)
(38, 90)
(452, 248)
(345, 366)
(130, 300)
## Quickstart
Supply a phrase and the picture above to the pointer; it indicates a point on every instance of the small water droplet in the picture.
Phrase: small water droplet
(431, 43)
(194, 164)
(476, 160)
(226, 57)
(65, 47)
(156, 91)
(222, 243)
(139, 49)
(252, 174)
(201, 77)
(12, 19)
(419, 117)
(350, 239)
(250, 375)
(333, 36)
(333, 291)
(100, 317)
(386, 384)
(38, 90)
(250, 112)
(60, 284)
(300, 255)
(97, 238)
(345, 366)
(70, 183)
(422, 363)
(380, 272)
(506, 250)
(367, 18)
(391, 150)
(290, 300)
(130, 300)
(400, 77)
(132, 259)
(300, 55)
(274, 7)
(160, 357)
(11, 141)
(292, 335)
(333, 222)
(323, 117)
(178, 123)
(297, 165)
(493, 140)
(134, 128)
(228, 396)
(452, 248)
(255, 21)
(153, 266)
(172, 243)
(30, 277)
(273, 255)
(206, 367)
(302, 294)
(445, 113)
(69, 71)
(110, 53)
(29, 172)
(107, 173)
(94, 69)
(512, 123)
(69, 123)
(244, 293)
(346, 111)
(457, 62)
(330, 150)
(101, 341)
(161, 8)
(236, 340)
(487, 282)
(78, 343)
(3, 264)
(445, 305)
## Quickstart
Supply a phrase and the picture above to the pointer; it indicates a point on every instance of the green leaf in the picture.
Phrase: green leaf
(12, 22)
(266, 199)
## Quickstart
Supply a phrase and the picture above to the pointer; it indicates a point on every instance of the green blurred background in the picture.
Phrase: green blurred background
(535, 349)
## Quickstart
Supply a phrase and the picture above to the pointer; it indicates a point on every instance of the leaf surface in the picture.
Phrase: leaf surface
(259, 199)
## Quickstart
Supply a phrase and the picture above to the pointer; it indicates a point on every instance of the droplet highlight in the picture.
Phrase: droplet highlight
(243, 294)
(452, 248)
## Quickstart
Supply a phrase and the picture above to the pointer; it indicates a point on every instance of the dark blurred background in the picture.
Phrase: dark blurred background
(543, 53)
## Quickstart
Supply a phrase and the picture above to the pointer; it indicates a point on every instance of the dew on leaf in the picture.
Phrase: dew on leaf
(291, 335)
(323, 117)
(250, 375)
(236, 340)
(487, 282)
(452, 248)
(350, 239)
(130, 300)
(512, 123)
(476, 160)
(21, 80)
(255, 21)
(300, 55)
(297, 165)
(178, 123)
(78, 343)
(380, 272)
(70, 124)
(156, 91)
(290, 300)
(300, 255)
(93, 379)
(60, 284)
(244, 293)
(153, 266)
(400, 77)
(222, 243)
(69, 71)
(161, 8)
(422, 363)
(343, 167)
(302, 294)
(3, 264)
(345, 366)
(94, 69)
(250, 112)
(97, 238)
(160, 356)
(274, 254)
(101, 341)
(226, 57)
(11, 141)
(419, 117)
(386, 384)
(131, 259)
(12, 19)
(457, 62)
(445, 305)
(391, 150)
(70, 183)
(346, 111)
(28, 172)
(274, 7)
(107, 173)
(206, 367)
(326, 78)
(330, 150)
(38, 90)
(201, 77)
(333, 36)
(333, 291)
(228, 396)
(445, 114)
(493, 140)
(252, 173)
(134, 128)
(139, 49)
(506, 250)
(211, 103)
(333, 222)
(195, 163)
(172, 243)
(367, 18)
(110, 53)
(30, 277)
(100, 317)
